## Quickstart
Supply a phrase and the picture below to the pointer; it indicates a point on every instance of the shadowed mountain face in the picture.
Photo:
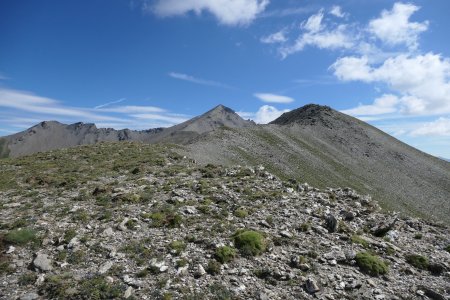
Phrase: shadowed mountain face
(313, 144)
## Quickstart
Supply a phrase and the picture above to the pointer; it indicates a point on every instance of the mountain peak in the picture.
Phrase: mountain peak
(221, 109)
(307, 115)
(217, 117)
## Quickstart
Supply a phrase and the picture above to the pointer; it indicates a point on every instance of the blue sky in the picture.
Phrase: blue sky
(153, 63)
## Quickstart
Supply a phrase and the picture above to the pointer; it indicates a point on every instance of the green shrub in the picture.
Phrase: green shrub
(225, 254)
(76, 257)
(418, 261)
(99, 288)
(447, 248)
(69, 235)
(249, 242)
(181, 263)
(241, 213)
(174, 220)
(142, 273)
(131, 224)
(5, 268)
(356, 239)
(304, 227)
(418, 236)
(371, 264)
(55, 287)
(161, 219)
(27, 278)
(21, 237)
(177, 247)
(213, 267)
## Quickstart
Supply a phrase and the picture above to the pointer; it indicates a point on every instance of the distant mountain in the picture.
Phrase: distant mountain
(314, 144)
(50, 135)
(446, 159)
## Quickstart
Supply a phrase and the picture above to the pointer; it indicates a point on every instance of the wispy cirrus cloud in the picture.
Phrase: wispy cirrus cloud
(38, 108)
(133, 109)
(109, 103)
(190, 78)
(286, 12)
(273, 98)
(3, 76)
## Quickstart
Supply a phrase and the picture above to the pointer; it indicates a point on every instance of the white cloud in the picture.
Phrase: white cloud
(352, 68)
(193, 79)
(281, 13)
(26, 101)
(277, 37)
(172, 119)
(394, 27)
(109, 103)
(314, 23)
(336, 11)
(133, 109)
(38, 108)
(267, 113)
(272, 98)
(318, 34)
(264, 115)
(228, 12)
(383, 105)
(439, 127)
(423, 81)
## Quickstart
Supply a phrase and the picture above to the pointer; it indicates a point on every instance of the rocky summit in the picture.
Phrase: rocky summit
(138, 221)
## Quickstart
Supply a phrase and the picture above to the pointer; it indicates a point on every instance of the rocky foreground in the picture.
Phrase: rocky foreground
(134, 221)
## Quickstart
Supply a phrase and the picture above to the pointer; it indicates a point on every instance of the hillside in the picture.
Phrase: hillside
(326, 148)
(136, 221)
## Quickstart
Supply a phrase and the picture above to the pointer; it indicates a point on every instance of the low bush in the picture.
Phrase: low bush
(225, 254)
(20, 237)
(213, 267)
(418, 261)
(371, 264)
(249, 242)
(177, 247)
(241, 213)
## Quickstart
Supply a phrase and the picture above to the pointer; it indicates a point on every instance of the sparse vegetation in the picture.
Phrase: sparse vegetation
(371, 264)
(21, 236)
(356, 239)
(241, 213)
(213, 267)
(165, 239)
(225, 254)
(418, 261)
(177, 247)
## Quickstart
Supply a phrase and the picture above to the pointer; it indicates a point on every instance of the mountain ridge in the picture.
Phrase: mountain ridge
(313, 144)
(51, 135)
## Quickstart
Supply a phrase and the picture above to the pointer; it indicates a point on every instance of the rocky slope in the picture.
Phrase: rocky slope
(327, 148)
(136, 221)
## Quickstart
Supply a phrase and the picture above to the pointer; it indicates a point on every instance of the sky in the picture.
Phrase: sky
(143, 64)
